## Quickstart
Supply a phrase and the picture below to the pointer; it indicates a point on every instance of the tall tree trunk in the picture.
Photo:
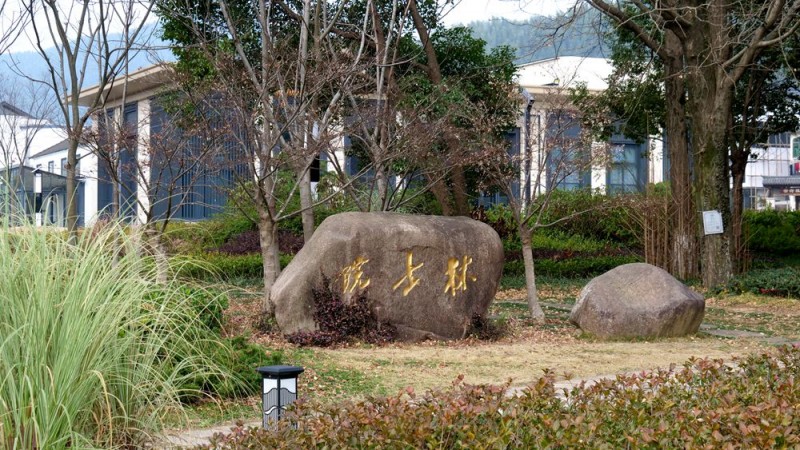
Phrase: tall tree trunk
(684, 262)
(530, 275)
(439, 190)
(710, 100)
(711, 181)
(460, 191)
(737, 217)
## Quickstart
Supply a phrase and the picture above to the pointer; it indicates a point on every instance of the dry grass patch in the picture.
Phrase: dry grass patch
(432, 365)
(771, 316)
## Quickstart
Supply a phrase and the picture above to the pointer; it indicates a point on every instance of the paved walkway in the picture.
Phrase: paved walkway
(191, 438)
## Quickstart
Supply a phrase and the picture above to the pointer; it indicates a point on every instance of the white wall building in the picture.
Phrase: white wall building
(772, 176)
(549, 121)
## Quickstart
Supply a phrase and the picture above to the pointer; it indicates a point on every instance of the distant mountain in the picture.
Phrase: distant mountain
(15, 67)
(542, 37)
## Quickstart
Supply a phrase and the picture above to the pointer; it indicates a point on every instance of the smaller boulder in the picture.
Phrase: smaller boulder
(638, 300)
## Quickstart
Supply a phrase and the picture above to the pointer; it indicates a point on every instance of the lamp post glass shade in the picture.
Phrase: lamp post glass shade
(279, 389)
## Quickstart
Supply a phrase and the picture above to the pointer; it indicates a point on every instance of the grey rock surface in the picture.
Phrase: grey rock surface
(426, 275)
(638, 300)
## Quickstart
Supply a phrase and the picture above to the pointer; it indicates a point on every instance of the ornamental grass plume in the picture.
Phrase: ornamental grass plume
(93, 349)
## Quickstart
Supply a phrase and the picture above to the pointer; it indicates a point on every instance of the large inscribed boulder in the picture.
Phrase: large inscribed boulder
(426, 275)
(638, 300)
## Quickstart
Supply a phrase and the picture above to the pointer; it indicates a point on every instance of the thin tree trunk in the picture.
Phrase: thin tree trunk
(382, 182)
(155, 244)
(269, 256)
(530, 275)
(72, 188)
(737, 216)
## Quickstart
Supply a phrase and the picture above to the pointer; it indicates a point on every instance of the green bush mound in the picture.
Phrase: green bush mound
(560, 255)
(781, 282)
(235, 357)
(772, 232)
(211, 266)
(706, 404)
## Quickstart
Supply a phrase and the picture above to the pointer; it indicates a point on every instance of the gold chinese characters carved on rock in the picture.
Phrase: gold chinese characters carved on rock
(457, 275)
(353, 275)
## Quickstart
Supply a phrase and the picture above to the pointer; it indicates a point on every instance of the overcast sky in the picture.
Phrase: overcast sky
(464, 12)
(467, 11)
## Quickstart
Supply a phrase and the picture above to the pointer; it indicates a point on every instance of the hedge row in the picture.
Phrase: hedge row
(707, 404)
(575, 267)
(773, 232)
(781, 282)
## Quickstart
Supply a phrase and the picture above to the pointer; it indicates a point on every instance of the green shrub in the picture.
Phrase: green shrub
(772, 232)
(782, 282)
(238, 358)
(705, 404)
(603, 217)
(574, 267)
(210, 266)
(93, 348)
(209, 305)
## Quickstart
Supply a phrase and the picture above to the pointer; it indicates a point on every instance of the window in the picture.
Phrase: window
(51, 166)
(626, 172)
(568, 169)
(566, 156)
(64, 166)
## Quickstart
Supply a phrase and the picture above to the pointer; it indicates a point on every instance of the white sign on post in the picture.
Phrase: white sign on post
(712, 222)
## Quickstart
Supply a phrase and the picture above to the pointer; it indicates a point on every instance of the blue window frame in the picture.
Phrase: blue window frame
(627, 169)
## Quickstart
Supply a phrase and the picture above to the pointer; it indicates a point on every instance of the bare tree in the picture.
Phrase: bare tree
(85, 36)
(705, 49)
(554, 154)
(12, 22)
(279, 90)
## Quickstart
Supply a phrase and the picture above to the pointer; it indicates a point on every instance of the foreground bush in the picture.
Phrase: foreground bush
(707, 404)
(93, 350)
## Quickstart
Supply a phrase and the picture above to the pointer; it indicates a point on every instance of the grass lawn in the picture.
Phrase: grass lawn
(359, 370)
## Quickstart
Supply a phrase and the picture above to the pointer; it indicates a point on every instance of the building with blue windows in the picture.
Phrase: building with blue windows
(151, 169)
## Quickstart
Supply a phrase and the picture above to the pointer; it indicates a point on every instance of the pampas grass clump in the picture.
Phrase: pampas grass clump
(94, 348)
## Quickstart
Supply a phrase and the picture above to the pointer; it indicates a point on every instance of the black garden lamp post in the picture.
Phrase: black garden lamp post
(279, 390)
